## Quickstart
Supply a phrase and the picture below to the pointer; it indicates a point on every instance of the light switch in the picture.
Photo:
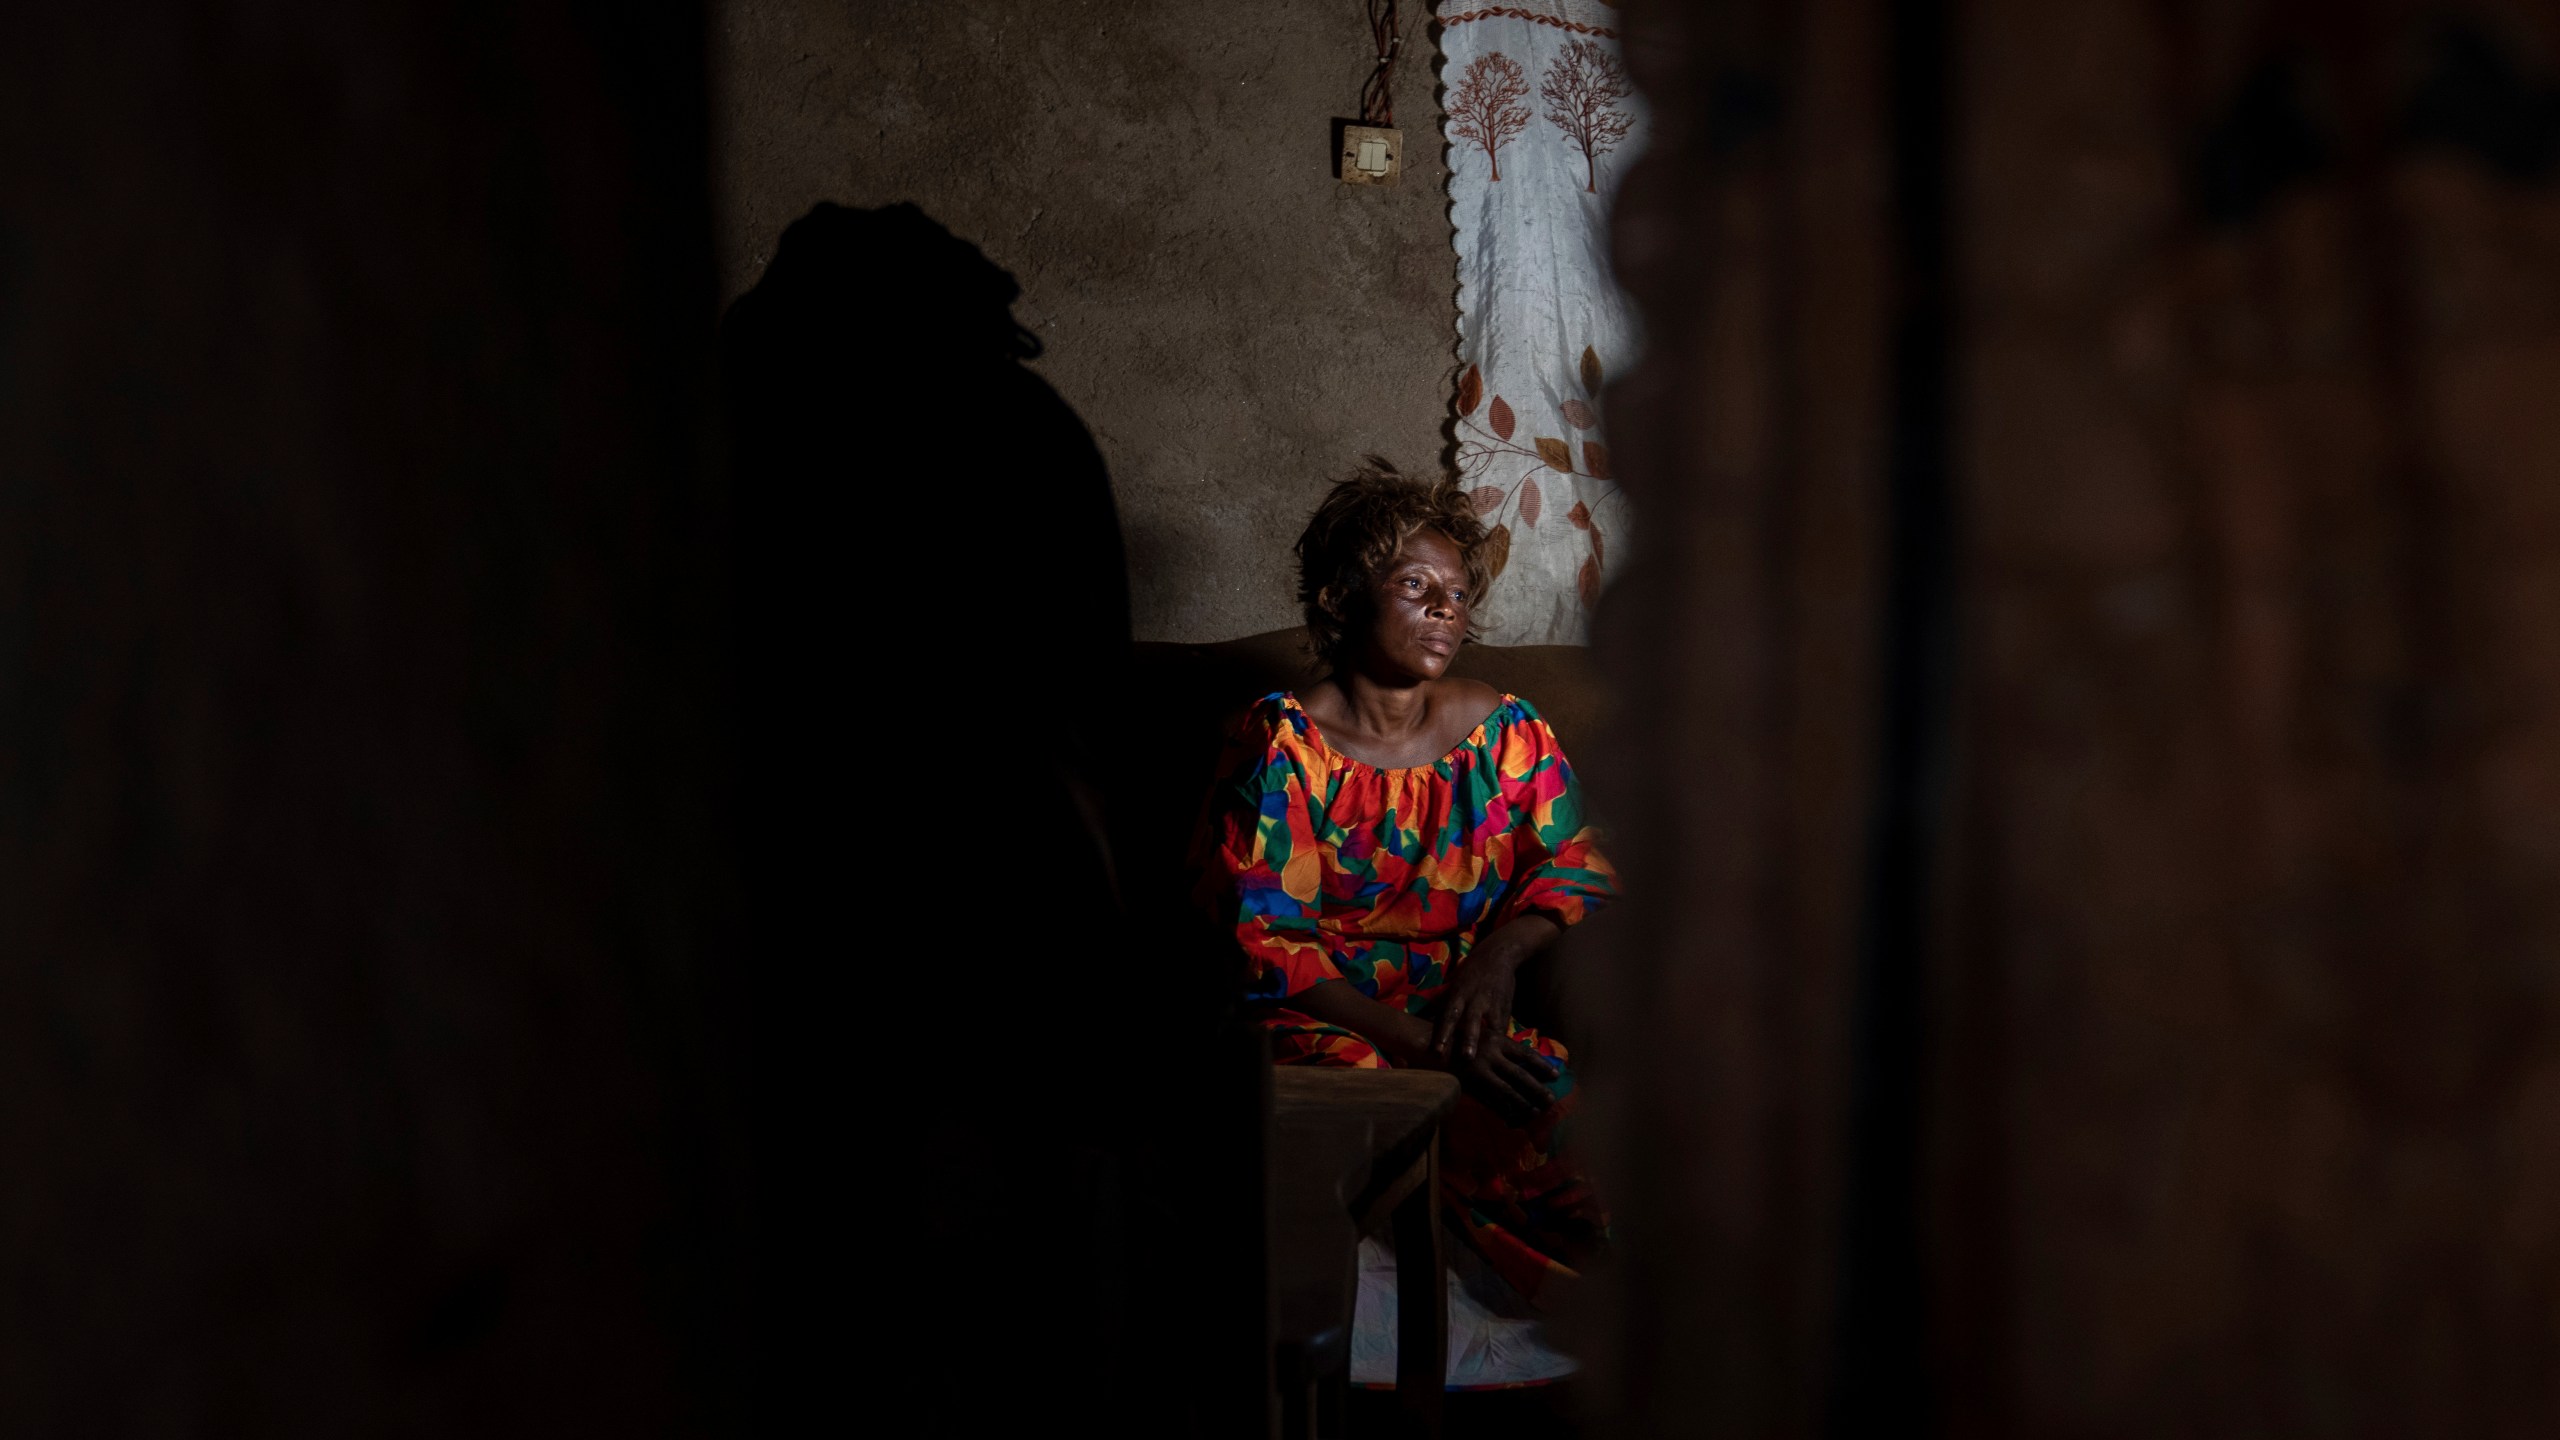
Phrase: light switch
(1371, 156)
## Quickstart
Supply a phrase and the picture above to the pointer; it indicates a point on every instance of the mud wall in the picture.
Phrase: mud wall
(1235, 325)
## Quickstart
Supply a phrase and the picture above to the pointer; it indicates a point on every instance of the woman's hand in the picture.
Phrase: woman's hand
(1476, 1010)
(1508, 1076)
(1477, 1007)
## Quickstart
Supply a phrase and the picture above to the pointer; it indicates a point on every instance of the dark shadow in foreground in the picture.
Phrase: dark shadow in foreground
(984, 1165)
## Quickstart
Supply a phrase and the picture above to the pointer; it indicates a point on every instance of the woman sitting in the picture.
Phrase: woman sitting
(1391, 844)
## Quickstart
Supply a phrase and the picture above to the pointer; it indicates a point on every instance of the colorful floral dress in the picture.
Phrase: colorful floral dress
(1331, 869)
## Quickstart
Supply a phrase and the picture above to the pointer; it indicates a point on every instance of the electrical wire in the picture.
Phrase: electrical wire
(1378, 92)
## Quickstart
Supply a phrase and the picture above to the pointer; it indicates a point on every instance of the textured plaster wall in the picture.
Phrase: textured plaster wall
(1235, 325)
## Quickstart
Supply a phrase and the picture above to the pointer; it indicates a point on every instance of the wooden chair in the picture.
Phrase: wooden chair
(1355, 1153)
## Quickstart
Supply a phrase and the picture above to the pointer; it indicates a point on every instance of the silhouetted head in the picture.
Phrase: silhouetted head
(875, 389)
(890, 278)
(1390, 571)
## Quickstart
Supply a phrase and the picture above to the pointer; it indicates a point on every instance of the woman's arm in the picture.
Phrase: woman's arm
(1566, 877)
(1506, 1075)
(1258, 859)
(1404, 1039)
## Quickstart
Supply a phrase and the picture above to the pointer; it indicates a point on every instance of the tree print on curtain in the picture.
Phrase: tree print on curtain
(1541, 325)
(1586, 93)
(1486, 108)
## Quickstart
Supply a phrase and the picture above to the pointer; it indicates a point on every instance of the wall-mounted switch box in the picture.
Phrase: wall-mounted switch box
(1370, 155)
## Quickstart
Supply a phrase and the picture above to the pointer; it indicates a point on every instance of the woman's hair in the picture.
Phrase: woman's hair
(1357, 531)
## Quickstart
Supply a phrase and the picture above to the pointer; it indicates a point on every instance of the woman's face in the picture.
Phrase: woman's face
(1418, 609)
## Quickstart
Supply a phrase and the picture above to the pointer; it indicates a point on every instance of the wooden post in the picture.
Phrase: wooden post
(1422, 1301)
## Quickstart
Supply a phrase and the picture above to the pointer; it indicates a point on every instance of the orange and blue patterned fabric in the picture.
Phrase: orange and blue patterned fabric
(1332, 869)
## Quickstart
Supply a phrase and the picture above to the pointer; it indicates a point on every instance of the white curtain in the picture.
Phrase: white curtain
(1541, 123)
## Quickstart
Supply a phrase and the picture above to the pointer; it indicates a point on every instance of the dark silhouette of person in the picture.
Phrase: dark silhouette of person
(952, 1055)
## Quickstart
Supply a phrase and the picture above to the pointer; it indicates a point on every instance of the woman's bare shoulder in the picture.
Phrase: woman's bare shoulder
(1324, 700)
(1473, 699)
